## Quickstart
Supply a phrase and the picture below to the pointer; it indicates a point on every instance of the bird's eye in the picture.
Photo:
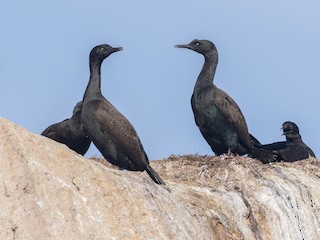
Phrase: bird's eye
(101, 48)
(197, 43)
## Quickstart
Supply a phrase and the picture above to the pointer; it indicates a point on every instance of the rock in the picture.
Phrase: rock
(241, 198)
(48, 191)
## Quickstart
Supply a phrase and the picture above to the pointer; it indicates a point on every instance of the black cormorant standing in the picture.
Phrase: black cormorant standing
(108, 129)
(293, 149)
(217, 115)
(70, 132)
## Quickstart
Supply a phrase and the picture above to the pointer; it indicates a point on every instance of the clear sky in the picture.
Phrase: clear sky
(269, 63)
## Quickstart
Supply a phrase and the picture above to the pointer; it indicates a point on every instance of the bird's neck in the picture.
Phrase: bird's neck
(94, 85)
(293, 137)
(76, 117)
(208, 70)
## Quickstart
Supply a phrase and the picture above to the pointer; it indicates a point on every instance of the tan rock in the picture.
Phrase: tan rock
(47, 191)
(243, 199)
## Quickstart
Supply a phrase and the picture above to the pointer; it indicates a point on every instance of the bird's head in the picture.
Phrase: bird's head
(291, 131)
(289, 127)
(201, 46)
(99, 53)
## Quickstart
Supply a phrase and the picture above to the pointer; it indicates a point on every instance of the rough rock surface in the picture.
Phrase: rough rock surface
(47, 191)
(243, 199)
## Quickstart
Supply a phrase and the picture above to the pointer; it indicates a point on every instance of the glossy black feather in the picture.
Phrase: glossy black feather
(293, 149)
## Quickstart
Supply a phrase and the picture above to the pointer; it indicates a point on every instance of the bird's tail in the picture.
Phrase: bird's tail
(154, 175)
(263, 155)
(260, 153)
(254, 141)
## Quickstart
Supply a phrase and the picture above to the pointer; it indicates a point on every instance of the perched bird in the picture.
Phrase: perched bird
(70, 132)
(108, 129)
(217, 115)
(293, 149)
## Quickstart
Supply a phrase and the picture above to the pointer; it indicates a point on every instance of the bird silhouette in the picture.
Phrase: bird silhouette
(293, 149)
(108, 129)
(217, 115)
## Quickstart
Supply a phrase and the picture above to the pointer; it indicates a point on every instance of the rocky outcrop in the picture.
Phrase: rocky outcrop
(243, 199)
(47, 191)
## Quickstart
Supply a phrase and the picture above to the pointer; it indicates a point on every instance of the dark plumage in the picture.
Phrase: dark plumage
(217, 115)
(70, 132)
(108, 129)
(293, 149)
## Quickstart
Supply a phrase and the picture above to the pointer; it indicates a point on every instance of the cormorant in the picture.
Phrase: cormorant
(70, 132)
(293, 149)
(217, 115)
(108, 129)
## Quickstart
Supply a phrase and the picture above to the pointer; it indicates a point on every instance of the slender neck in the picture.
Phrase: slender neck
(94, 85)
(208, 69)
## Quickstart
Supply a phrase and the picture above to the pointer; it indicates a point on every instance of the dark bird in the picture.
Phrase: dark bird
(70, 132)
(217, 115)
(293, 149)
(108, 129)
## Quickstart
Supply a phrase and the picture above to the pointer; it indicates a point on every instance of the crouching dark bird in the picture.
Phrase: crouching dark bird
(70, 132)
(108, 129)
(217, 115)
(293, 149)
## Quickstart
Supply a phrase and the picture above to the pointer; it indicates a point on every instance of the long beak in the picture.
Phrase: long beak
(116, 49)
(182, 46)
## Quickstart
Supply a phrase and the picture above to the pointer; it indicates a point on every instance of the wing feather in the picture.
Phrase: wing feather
(229, 108)
(120, 131)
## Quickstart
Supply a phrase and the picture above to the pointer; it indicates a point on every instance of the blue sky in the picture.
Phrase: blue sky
(269, 63)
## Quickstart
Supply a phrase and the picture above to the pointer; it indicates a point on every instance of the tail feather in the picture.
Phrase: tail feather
(259, 152)
(254, 141)
(263, 155)
(154, 175)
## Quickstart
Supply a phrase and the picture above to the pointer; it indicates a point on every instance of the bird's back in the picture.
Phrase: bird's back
(55, 131)
(220, 120)
(289, 151)
(295, 151)
(114, 135)
(70, 133)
